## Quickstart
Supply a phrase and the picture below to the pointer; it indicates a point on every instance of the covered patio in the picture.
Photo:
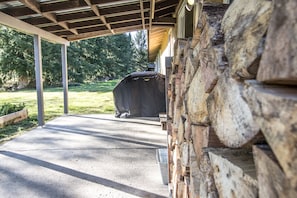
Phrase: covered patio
(84, 156)
(63, 21)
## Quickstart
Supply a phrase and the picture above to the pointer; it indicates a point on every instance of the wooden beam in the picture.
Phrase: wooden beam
(165, 4)
(83, 24)
(35, 6)
(129, 29)
(63, 33)
(132, 23)
(102, 2)
(37, 20)
(32, 4)
(103, 33)
(123, 9)
(29, 29)
(19, 11)
(64, 5)
(142, 13)
(164, 20)
(126, 18)
(76, 16)
(53, 28)
(88, 35)
(165, 12)
(152, 13)
(96, 11)
(92, 29)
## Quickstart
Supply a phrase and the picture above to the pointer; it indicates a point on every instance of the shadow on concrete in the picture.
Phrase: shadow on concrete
(136, 120)
(37, 186)
(100, 135)
(85, 176)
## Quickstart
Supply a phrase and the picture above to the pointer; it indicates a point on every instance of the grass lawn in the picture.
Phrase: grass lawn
(89, 98)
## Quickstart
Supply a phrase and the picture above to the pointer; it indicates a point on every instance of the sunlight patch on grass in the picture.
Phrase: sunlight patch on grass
(89, 98)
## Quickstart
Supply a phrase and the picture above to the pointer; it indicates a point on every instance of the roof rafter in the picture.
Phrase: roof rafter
(152, 11)
(81, 19)
(96, 11)
(142, 14)
(35, 6)
(29, 29)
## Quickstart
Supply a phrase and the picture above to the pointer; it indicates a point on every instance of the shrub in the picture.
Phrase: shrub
(8, 108)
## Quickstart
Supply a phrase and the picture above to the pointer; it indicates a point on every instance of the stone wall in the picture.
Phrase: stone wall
(232, 119)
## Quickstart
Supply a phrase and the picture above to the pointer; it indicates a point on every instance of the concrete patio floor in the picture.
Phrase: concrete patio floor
(84, 156)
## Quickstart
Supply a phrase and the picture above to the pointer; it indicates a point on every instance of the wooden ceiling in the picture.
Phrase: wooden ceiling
(81, 19)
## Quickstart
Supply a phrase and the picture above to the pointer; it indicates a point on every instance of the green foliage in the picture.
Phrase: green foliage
(140, 54)
(102, 58)
(16, 55)
(8, 108)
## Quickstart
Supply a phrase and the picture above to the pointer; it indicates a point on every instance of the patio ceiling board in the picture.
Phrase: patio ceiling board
(81, 19)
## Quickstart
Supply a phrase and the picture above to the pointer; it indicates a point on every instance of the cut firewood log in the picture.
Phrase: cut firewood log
(275, 109)
(180, 189)
(176, 166)
(279, 60)
(204, 136)
(177, 118)
(213, 63)
(229, 113)
(185, 155)
(187, 49)
(196, 100)
(181, 67)
(271, 179)
(191, 68)
(234, 172)
(210, 21)
(181, 131)
(207, 185)
(244, 25)
(194, 174)
(179, 50)
(209, 28)
(188, 130)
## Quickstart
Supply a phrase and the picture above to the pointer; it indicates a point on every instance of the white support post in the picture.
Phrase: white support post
(65, 77)
(38, 76)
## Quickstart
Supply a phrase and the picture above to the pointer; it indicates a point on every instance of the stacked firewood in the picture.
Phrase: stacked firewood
(232, 127)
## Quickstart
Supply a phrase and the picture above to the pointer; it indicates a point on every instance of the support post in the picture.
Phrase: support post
(38, 76)
(65, 77)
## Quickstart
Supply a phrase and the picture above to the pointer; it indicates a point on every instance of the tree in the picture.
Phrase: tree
(88, 60)
(16, 54)
(140, 54)
(51, 64)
